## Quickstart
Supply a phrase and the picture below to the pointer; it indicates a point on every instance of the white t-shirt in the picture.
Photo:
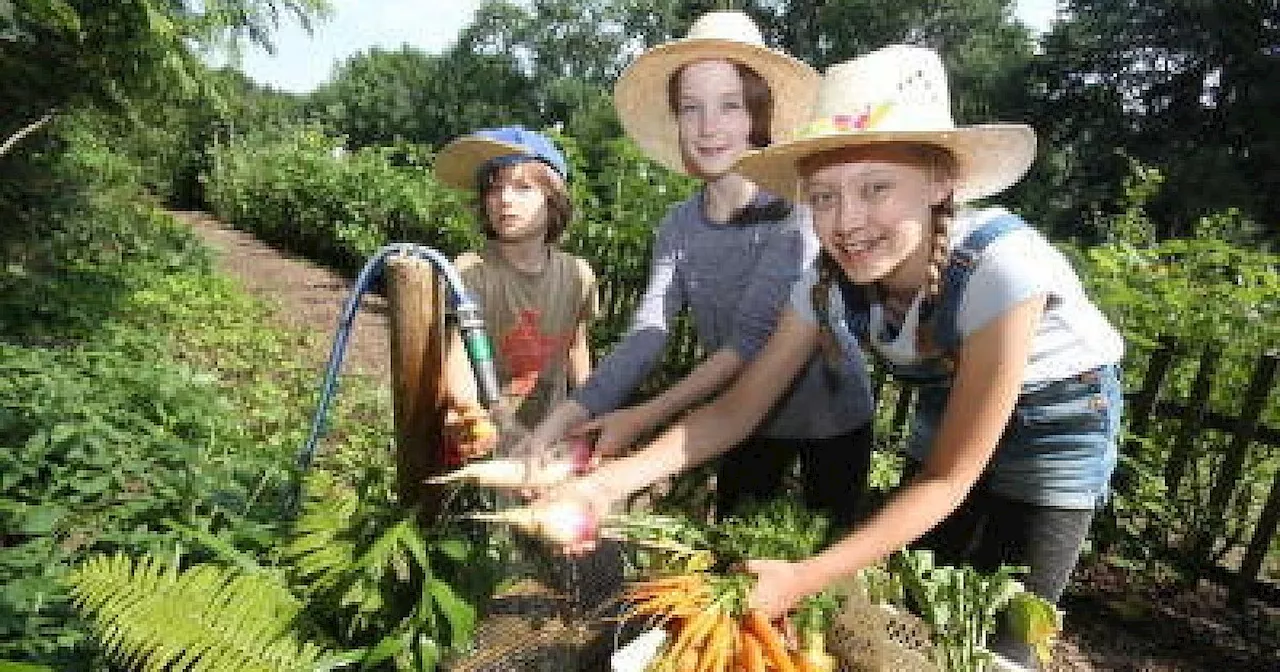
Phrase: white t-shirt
(1073, 336)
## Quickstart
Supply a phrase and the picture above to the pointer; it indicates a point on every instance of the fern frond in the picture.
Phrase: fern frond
(151, 616)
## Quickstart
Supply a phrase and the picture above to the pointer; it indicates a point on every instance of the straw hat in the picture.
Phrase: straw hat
(896, 94)
(640, 94)
(456, 165)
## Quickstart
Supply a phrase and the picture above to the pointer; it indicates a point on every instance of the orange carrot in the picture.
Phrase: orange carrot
(802, 663)
(775, 650)
(750, 655)
(719, 643)
(694, 633)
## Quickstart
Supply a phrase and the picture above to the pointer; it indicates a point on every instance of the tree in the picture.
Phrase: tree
(381, 97)
(64, 53)
(1186, 86)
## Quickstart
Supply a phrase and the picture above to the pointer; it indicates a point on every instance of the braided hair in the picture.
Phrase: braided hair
(942, 216)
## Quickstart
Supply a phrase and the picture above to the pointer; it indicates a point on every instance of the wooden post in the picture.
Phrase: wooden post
(1140, 407)
(416, 303)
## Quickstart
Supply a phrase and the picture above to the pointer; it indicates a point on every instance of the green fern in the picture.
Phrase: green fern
(359, 573)
(151, 616)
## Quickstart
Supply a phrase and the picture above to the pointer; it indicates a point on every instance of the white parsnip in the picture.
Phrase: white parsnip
(560, 523)
(509, 473)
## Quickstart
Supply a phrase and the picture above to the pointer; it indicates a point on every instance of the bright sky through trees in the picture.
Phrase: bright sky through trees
(302, 62)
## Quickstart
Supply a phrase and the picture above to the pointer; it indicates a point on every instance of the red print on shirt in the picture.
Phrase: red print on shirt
(526, 351)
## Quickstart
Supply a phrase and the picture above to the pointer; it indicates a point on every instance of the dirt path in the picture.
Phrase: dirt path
(308, 296)
(1167, 635)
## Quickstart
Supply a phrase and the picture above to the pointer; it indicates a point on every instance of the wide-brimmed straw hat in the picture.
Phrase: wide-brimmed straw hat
(640, 94)
(896, 94)
(459, 162)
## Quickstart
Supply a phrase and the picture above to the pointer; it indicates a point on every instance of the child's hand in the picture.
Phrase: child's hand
(469, 433)
(776, 591)
(615, 433)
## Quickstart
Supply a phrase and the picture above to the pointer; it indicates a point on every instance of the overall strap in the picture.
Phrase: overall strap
(963, 262)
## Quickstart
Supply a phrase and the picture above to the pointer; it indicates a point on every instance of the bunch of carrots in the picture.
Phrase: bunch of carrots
(711, 630)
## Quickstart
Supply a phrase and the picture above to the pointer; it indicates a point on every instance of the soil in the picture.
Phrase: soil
(1112, 623)
(303, 294)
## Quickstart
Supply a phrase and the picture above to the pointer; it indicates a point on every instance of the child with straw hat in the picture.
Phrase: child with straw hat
(1014, 439)
(730, 253)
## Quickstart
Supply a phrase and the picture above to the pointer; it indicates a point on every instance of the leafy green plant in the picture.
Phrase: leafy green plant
(961, 606)
(151, 615)
(360, 581)
(143, 399)
(382, 581)
(1207, 296)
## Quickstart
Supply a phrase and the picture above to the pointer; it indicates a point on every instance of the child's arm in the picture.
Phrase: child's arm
(988, 378)
(768, 285)
(580, 348)
(579, 356)
(619, 429)
(711, 429)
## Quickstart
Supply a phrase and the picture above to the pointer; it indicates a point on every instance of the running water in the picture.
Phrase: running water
(512, 433)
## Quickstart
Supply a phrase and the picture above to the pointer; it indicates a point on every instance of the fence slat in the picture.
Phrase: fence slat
(1145, 400)
(1191, 427)
(1233, 464)
(1265, 532)
(1139, 408)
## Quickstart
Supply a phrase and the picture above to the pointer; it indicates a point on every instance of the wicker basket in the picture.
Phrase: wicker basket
(868, 637)
(872, 638)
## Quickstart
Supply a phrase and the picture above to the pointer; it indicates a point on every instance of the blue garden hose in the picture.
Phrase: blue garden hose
(470, 324)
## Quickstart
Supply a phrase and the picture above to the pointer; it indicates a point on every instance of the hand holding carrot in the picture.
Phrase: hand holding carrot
(777, 589)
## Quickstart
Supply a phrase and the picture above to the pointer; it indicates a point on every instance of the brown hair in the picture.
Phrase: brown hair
(755, 94)
(559, 205)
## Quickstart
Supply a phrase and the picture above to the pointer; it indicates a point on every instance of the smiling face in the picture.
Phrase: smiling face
(873, 210)
(712, 117)
(515, 204)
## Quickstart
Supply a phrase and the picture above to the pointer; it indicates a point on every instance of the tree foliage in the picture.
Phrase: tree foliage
(381, 97)
(1187, 86)
(64, 53)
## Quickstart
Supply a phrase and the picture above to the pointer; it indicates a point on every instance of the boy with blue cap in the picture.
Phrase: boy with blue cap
(537, 300)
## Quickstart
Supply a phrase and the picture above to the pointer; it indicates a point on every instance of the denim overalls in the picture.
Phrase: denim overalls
(1059, 447)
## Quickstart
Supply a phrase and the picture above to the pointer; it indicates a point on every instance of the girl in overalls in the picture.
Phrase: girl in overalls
(1014, 437)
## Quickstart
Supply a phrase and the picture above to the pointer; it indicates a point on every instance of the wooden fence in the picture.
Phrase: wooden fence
(1178, 426)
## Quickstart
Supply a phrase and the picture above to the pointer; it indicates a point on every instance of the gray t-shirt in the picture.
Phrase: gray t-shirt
(735, 280)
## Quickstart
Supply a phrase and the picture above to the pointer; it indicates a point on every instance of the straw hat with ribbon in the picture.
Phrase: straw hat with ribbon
(457, 164)
(640, 94)
(896, 94)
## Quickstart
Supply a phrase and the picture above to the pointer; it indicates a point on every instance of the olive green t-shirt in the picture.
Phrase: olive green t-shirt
(532, 319)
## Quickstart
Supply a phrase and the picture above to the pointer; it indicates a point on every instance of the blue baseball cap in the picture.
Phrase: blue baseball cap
(463, 160)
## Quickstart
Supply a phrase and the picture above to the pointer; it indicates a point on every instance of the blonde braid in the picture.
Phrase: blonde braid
(820, 296)
(942, 216)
